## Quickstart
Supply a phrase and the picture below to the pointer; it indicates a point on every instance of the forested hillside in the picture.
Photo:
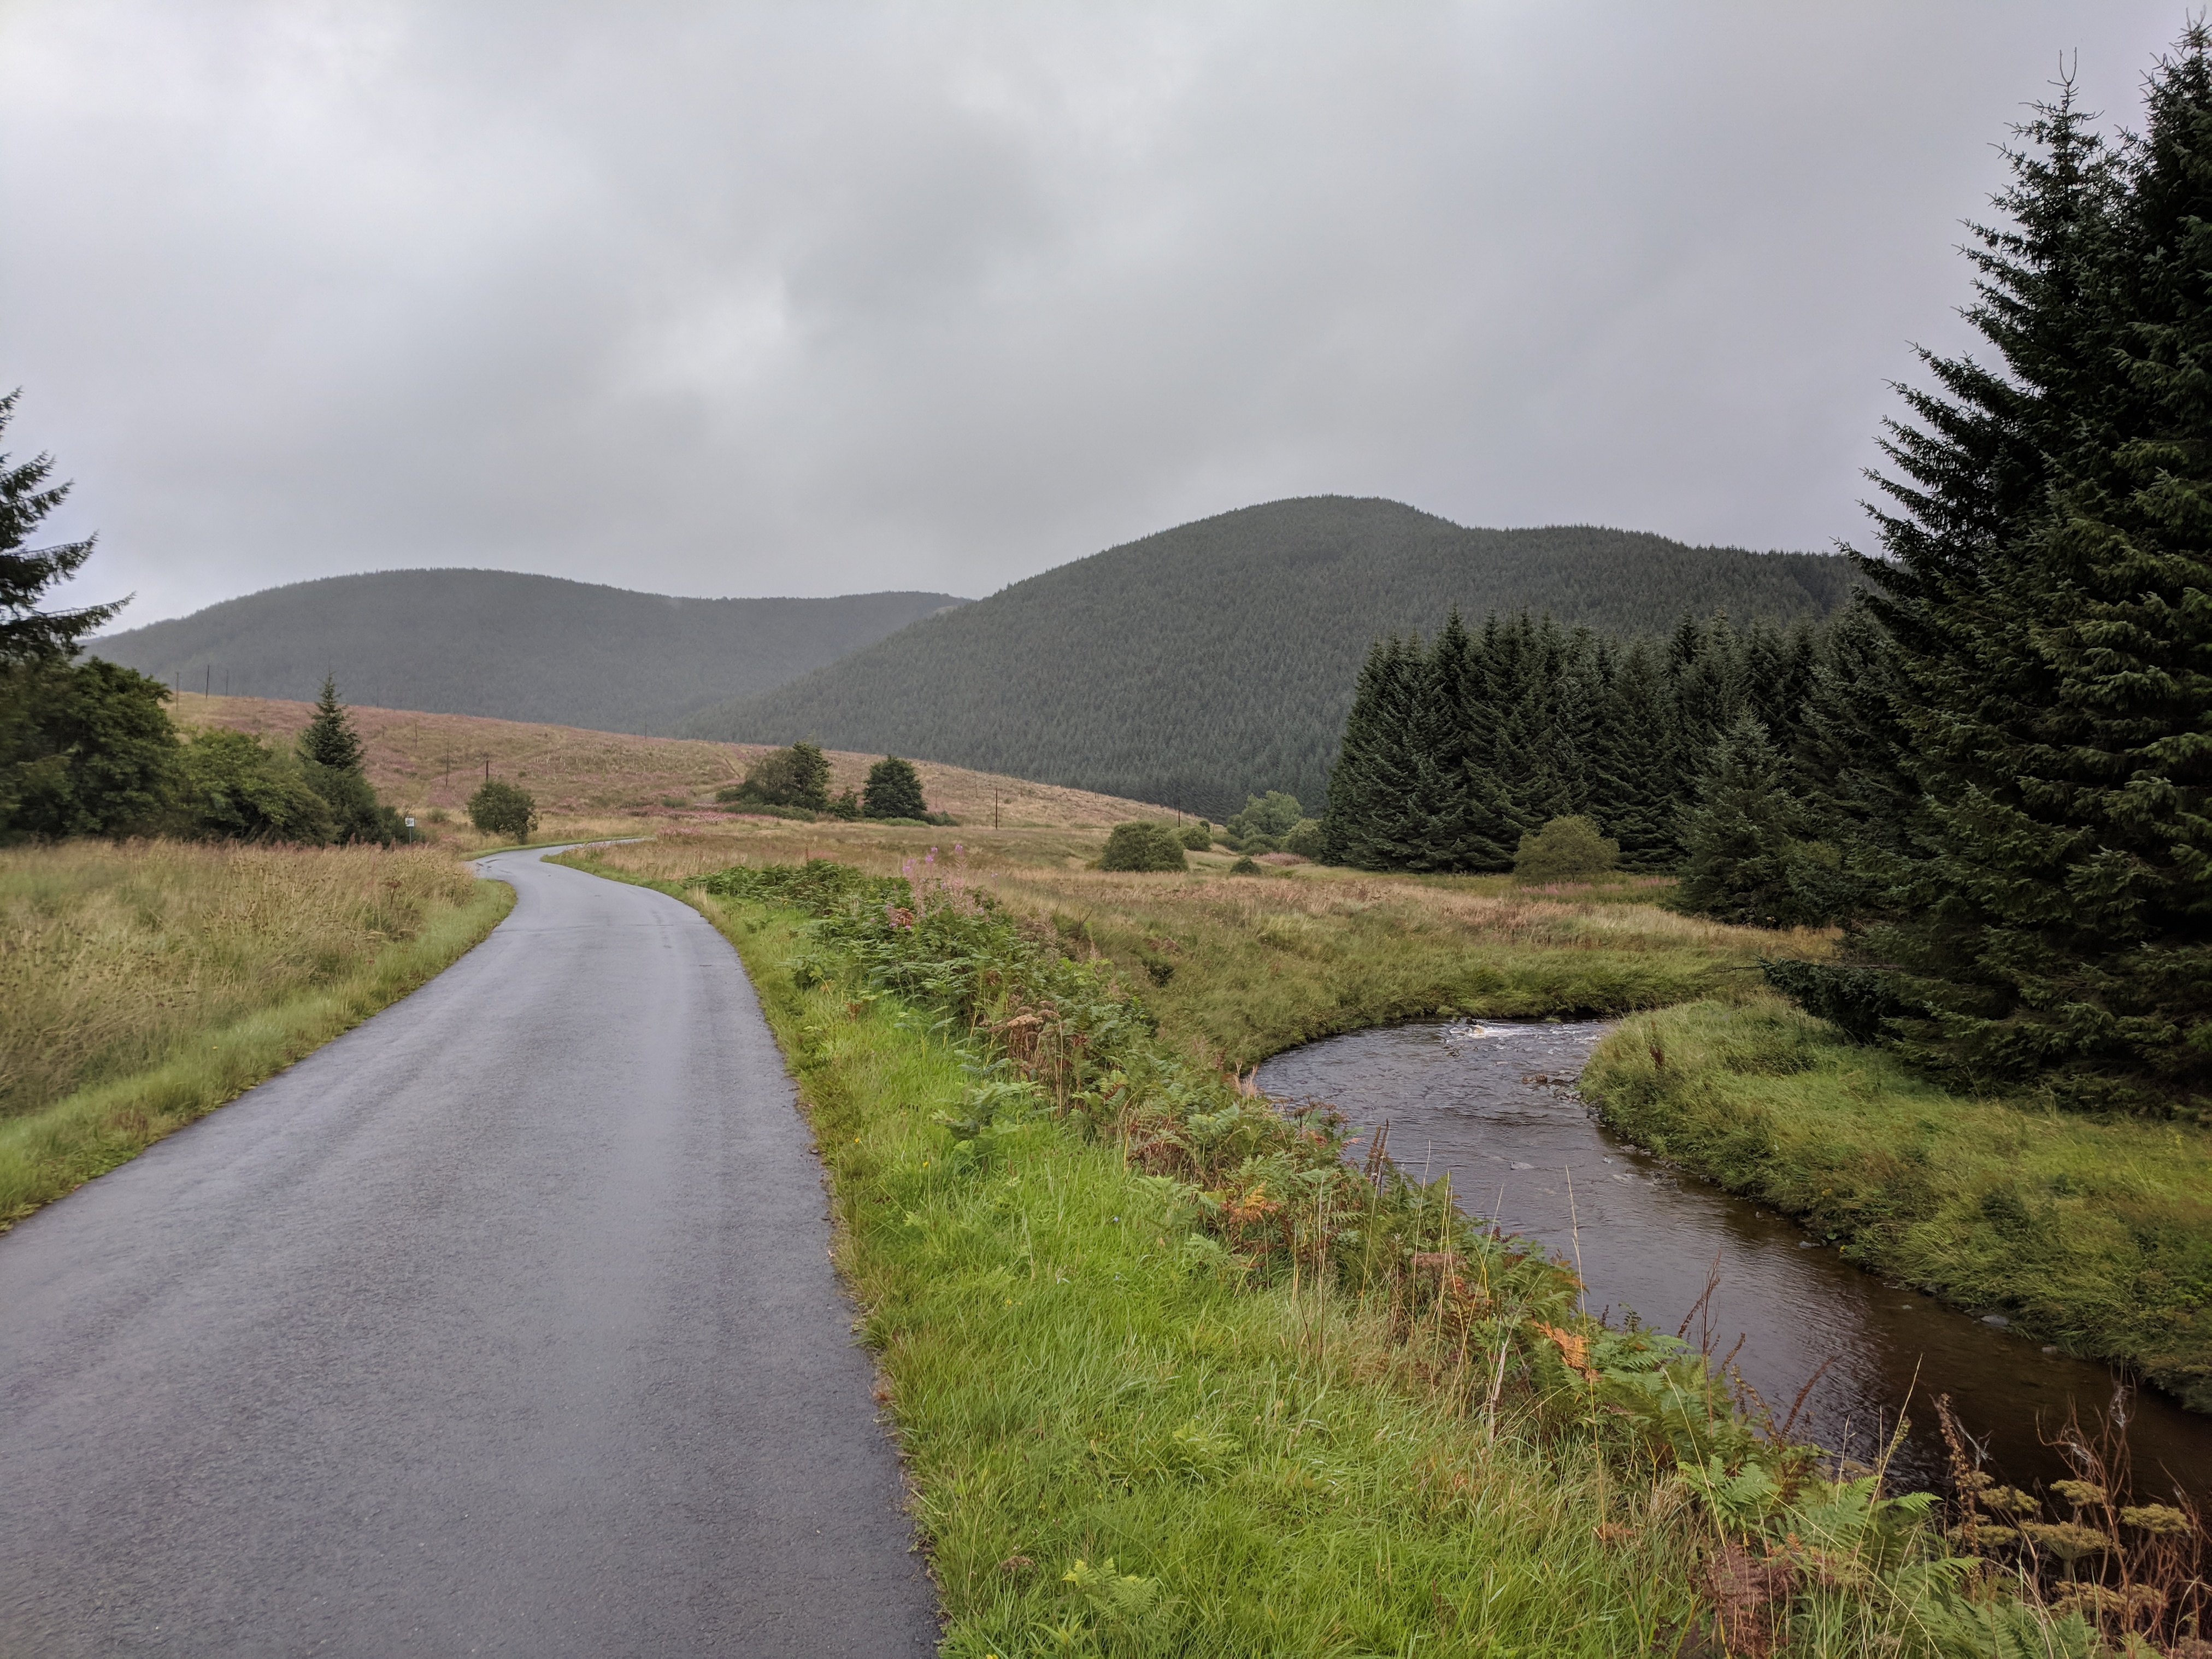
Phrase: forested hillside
(1219, 659)
(515, 646)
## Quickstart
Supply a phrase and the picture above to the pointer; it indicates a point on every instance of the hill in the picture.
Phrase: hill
(1217, 658)
(515, 646)
(421, 761)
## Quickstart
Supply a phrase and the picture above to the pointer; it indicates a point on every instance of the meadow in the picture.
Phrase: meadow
(146, 983)
(1147, 1409)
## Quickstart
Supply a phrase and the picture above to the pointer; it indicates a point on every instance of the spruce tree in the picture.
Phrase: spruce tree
(1469, 823)
(1638, 804)
(2052, 913)
(1368, 825)
(893, 790)
(331, 739)
(1744, 835)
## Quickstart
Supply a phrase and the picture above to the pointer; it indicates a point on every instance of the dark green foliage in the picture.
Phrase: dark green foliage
(894, 791)
(1453, 753)
(86, 749)
(330, 762)
(1266, 823)
(1565, 849)
(1747, 836)
(26, 633)
(330, 739)
(231, 785)
(1232, 644)
(797, 776)
(517, 647)
(1143, 847)
(1304, 839)
(501, 808)
(1197, 837)
(2043, 839)
(1857, 1001)
(1247, 865)
(845, 805)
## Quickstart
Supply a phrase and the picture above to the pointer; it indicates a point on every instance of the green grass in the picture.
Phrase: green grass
(2092, 1234)
(260, 996)
(1125, 1438)
(1072, 1384)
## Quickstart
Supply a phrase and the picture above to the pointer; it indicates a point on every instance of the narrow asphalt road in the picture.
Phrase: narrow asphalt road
(504, 1324)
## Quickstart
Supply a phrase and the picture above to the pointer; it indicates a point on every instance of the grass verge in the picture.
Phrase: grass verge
(53, 1148)
(1152, 1415)
(2092, 1234)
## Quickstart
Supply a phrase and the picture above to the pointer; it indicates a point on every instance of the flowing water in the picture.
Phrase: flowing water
(1494, 1103)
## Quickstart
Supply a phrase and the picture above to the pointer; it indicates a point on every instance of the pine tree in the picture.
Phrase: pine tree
(2053, 912)
(27, 634)
(1745, 836)
(1637, 765)
(1368, 826)
(331, 739)
(893, 790)
(1468, 824)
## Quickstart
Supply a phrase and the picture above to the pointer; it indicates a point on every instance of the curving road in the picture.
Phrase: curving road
(504, 1324)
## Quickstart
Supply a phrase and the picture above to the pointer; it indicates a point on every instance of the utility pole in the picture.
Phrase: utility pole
(207, 685)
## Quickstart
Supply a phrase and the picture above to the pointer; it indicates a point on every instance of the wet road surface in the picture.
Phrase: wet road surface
(503, 1324)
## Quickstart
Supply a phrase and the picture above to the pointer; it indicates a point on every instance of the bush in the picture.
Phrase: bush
(1565, 849)
(847, 806)
(1272, 816)
(797, 776)
(500, 808)
(1199, 837)
(1304, 839)
(85, 750)
(231, 785)
(1245, 866)
(894, 791)
(1143, 847)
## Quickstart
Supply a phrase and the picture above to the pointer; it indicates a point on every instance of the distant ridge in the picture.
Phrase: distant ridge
(1218, 657)
(515, 646)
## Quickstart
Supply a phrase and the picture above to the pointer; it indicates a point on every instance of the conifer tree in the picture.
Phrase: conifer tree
(331, 739)
(1637, 806)
(2052, 912)
(1744, 835)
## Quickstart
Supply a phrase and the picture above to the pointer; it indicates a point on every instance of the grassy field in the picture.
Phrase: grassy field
(1130, 1435)
(1237, 967)
(426, 763)
(146, 984)
(2092, 1234)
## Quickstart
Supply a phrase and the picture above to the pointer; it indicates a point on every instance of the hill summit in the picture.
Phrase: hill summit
(1217, 658)
(515, 646)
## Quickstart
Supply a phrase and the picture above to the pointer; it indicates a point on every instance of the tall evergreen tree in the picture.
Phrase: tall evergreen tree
(331, 739)
(2053, 912)
(1745, 837)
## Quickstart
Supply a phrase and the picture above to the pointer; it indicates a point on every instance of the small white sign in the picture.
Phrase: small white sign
(410, 823)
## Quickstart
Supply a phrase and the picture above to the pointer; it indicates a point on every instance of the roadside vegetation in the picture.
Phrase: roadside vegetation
(2095, 1233)
(1173, 1378)
(148, 982)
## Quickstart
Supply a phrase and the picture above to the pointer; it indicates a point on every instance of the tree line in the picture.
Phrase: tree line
(87, 747)
(1994, 770)
(1454, 750)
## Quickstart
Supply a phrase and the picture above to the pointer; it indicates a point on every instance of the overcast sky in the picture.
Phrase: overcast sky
(819, 298)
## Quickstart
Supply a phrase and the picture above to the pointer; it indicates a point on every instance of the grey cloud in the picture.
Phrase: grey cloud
(720, 299)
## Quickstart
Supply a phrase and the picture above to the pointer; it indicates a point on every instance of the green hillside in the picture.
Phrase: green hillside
(515, 647)
(1219, 657)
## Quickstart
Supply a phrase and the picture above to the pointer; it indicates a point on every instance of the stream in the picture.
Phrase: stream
(1493, 1103)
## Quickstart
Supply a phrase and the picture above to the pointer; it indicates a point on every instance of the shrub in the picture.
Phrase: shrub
(1143, 847)
(1273, 816)
(1245, 866)
(501, 808)
(1304, 839)
(894, 791)
(847, 806)
(1565, 849)
(231, 785)
(1197, 837)
(797, 776)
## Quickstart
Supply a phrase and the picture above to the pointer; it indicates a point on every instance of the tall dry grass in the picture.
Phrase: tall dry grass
(144, 985)
(111, 956)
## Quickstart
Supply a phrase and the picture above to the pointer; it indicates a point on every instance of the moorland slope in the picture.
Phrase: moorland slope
(513, 646)
(1219, 657)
